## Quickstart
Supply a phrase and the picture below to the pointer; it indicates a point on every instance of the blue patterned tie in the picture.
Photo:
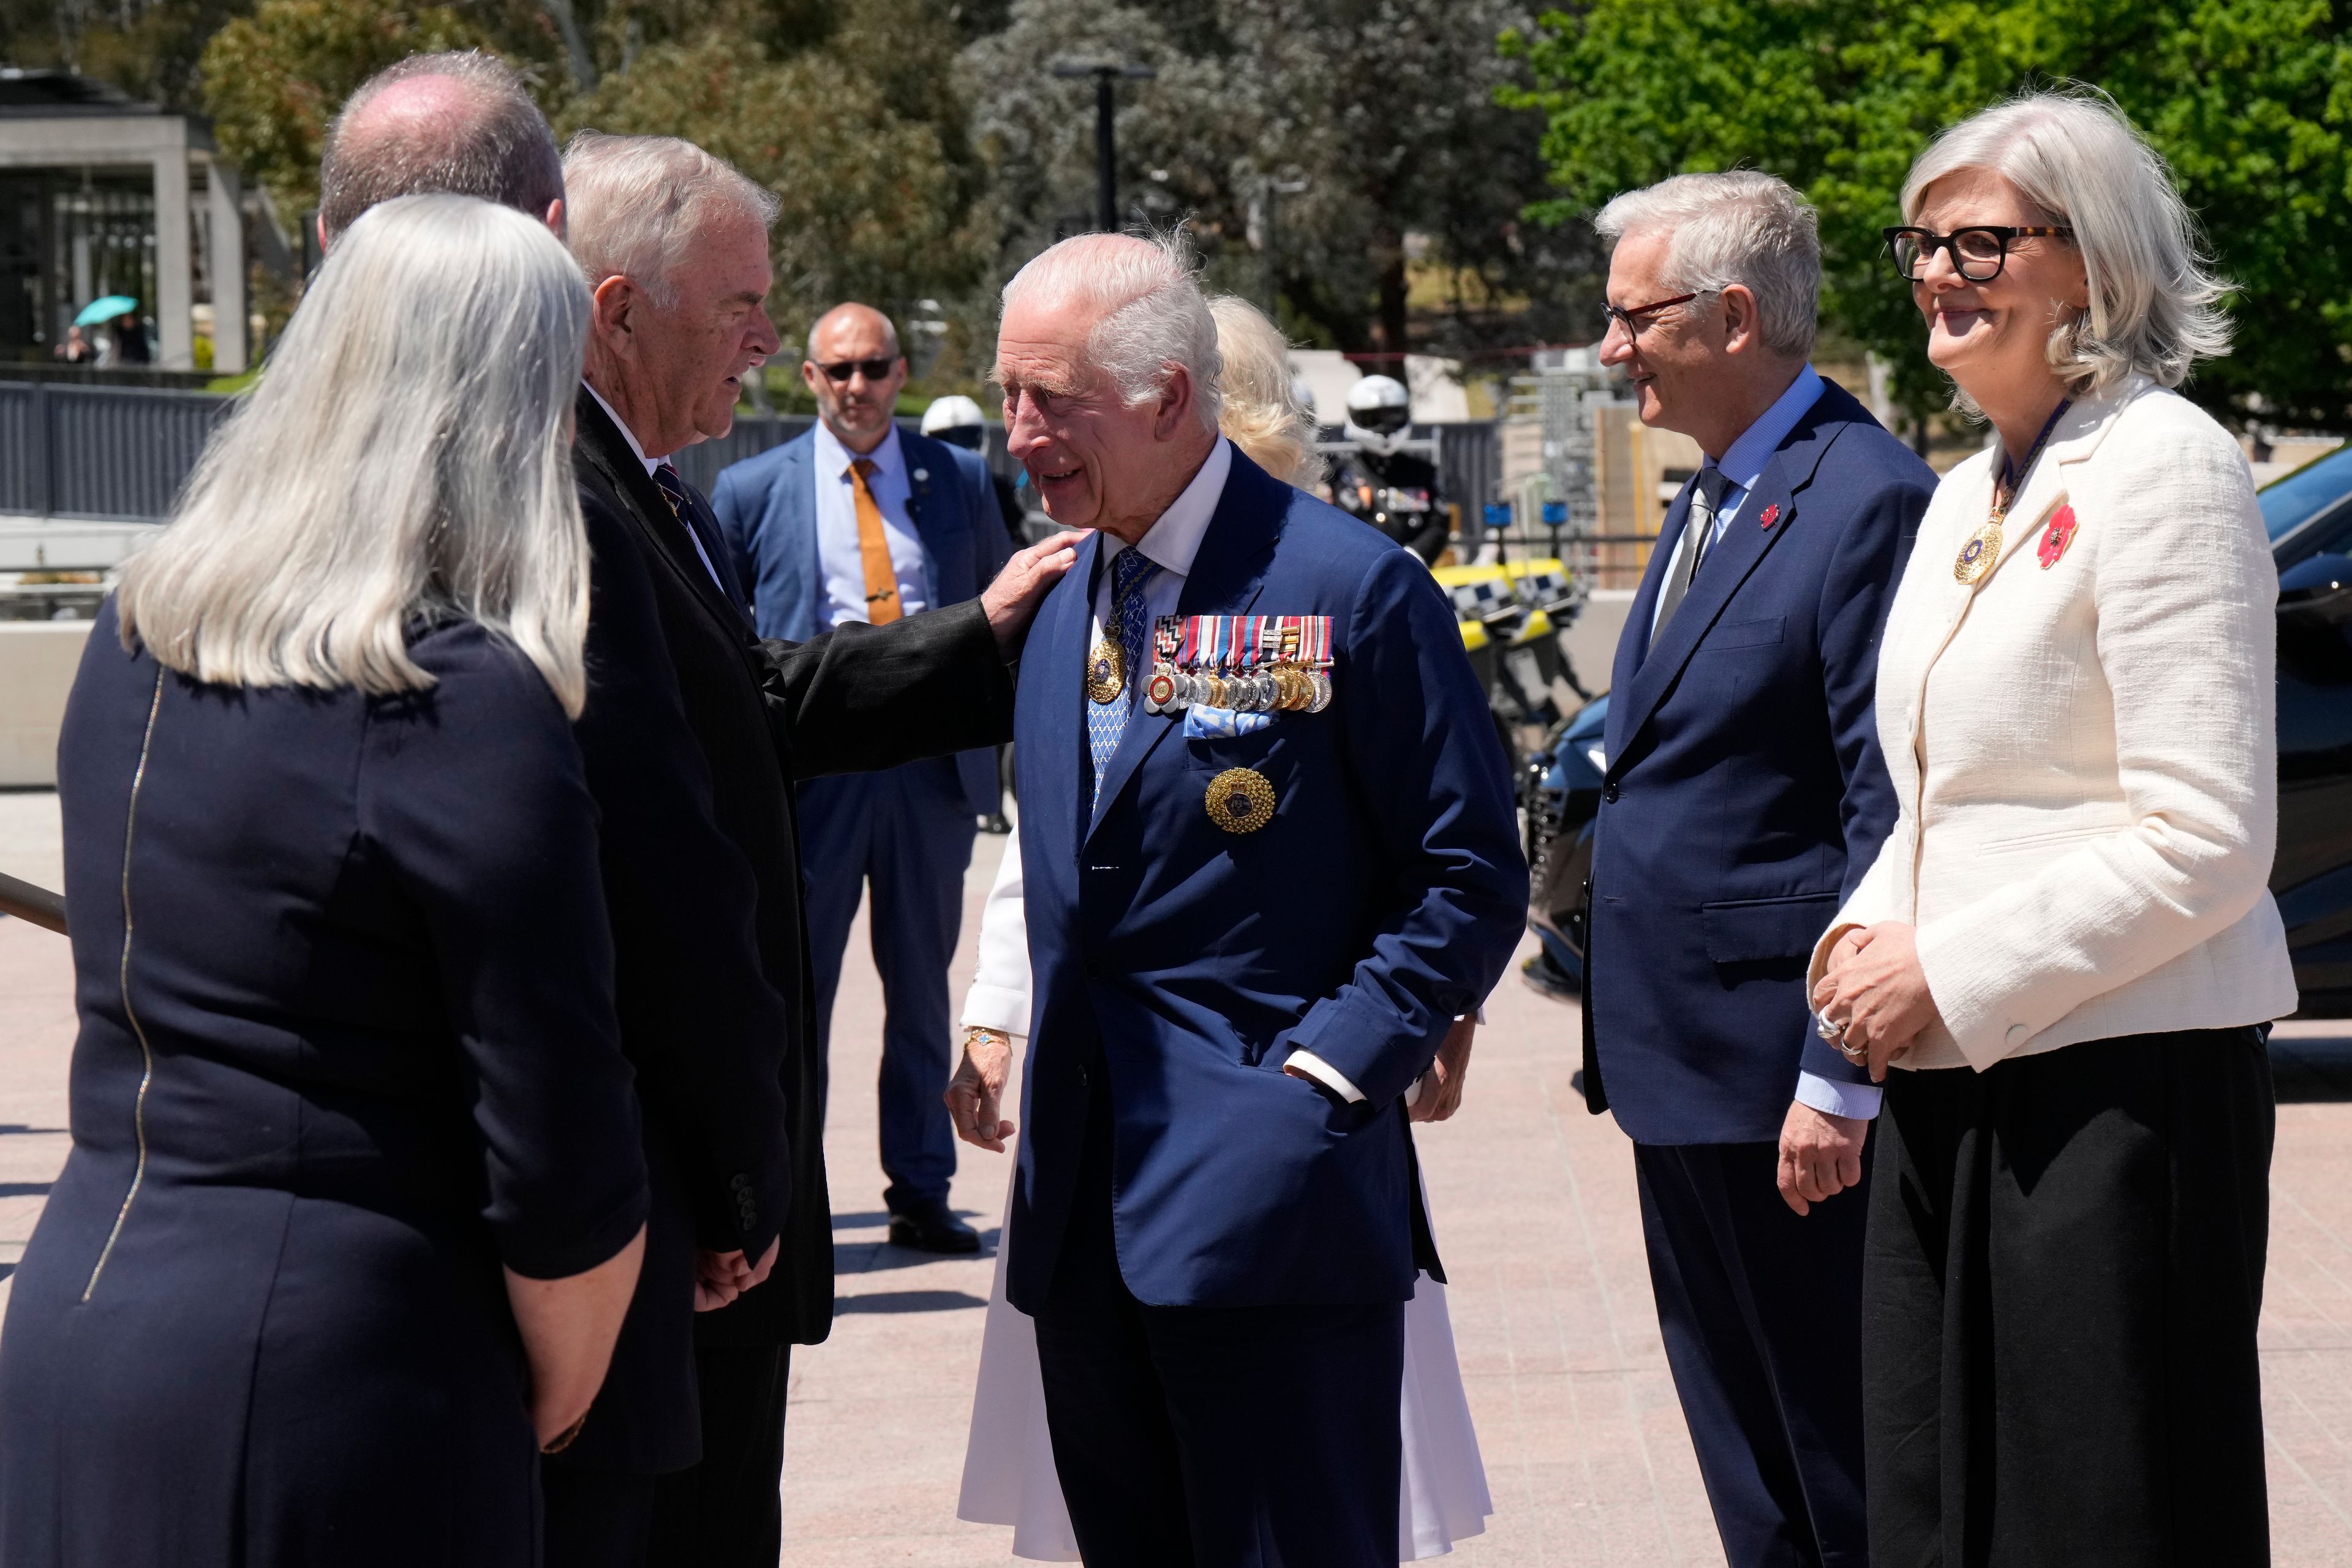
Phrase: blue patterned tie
(1107, 721)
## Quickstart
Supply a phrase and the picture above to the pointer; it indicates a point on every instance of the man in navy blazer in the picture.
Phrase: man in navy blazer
(1255, 909)
(1744, 797)
(861, 520)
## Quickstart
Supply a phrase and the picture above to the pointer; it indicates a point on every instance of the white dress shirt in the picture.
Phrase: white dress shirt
(651, 464)
(838, 553)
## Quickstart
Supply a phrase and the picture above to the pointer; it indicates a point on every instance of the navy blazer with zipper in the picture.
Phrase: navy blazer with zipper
(1745, 794)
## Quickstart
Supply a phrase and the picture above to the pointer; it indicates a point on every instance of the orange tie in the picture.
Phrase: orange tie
(874, 550)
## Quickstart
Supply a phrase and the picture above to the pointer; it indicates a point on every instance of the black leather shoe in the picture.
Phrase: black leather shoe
(932, 1227)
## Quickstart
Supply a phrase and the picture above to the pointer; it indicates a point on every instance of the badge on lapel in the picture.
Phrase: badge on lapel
(1771, 515)
(1241, 800)
(2057, 536)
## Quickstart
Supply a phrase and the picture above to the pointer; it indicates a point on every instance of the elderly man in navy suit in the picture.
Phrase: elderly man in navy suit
(1743, 799)
(1271, 856)
(861, 520)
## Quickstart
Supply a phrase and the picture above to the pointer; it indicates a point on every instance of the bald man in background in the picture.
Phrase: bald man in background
(860, 520)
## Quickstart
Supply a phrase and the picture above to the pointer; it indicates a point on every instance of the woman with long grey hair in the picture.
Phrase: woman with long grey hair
(356, 1197)
(2066, 950)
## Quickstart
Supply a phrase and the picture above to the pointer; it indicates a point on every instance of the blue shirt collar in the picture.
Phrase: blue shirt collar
(1744, 464)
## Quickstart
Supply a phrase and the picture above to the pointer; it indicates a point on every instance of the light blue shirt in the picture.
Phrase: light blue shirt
(1745, 463)
(837, 552)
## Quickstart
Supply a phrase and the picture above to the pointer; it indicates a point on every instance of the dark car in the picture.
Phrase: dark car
(2308, 515)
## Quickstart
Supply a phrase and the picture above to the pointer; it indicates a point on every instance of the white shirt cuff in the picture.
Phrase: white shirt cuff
(1324, 1073)
(1860, 1100)
(997, 1008)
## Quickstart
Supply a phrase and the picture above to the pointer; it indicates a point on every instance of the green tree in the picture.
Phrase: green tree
(1384, 110)
(274, 79)
(2248, 99)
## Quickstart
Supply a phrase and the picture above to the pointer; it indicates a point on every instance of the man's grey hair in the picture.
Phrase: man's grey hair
(1150, 315)
(1739, 226)
(498, 147)
(638, 207)
(408, 457)
(2154, 296)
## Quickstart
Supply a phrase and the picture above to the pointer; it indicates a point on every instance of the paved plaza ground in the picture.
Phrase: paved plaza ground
(1533, 1200)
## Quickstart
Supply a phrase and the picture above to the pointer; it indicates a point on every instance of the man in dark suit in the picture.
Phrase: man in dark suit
(858, 522)
(1744, 797)
(675, 244)
(1253, 913)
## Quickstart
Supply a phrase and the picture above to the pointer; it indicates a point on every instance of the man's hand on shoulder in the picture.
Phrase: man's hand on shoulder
(1011, 602)
(1821, 1155)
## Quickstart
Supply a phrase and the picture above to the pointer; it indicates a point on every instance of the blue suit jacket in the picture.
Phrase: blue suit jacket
(767, 511)
(1745, 794)
(1381, 901)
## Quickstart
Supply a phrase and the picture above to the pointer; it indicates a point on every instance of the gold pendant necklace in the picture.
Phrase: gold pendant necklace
(1982, 552)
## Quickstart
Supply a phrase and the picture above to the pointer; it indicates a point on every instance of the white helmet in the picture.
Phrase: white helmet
(957, 420)
(1380, 413)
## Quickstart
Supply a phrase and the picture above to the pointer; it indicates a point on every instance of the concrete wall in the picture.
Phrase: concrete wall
(37, 660)
(1592, 643)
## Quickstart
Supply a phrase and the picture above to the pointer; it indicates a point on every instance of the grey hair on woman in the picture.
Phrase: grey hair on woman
(637, 205)
(1741, 227)
(407, 455)
(1151, 315)
(2154, 299)
(1261, 415)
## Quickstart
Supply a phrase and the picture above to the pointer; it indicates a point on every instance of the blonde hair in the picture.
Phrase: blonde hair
(1261, 415)
(407, 455)
(2155, 300)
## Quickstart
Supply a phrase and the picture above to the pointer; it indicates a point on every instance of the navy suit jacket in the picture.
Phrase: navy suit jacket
(1381, 902)
(767, 511)
(1745, 794)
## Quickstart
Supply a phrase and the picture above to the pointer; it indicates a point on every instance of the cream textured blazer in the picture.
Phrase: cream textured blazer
(2083, 745)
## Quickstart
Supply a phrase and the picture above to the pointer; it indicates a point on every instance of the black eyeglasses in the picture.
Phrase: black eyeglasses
(1978, 251)
(1626, 317)
(872, 368)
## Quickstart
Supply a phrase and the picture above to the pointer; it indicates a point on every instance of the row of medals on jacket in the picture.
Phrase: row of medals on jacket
(1286, 685)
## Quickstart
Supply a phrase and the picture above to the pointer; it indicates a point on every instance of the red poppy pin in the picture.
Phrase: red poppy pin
(2057, 536)
(1771, 515)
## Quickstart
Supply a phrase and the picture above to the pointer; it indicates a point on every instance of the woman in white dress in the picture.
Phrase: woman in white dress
(1008, 1470)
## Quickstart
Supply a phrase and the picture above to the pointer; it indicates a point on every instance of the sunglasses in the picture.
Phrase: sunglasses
(871, 369)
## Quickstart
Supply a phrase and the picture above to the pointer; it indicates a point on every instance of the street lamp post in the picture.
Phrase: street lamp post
(1105, 73)
(1276, 188)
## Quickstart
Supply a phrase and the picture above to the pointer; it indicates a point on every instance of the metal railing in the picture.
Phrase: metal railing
(100, 452)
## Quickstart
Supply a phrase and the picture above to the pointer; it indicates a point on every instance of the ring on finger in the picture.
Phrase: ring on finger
(1829, 1028)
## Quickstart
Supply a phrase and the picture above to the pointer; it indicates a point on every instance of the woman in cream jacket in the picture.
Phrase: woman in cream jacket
(2066, 948)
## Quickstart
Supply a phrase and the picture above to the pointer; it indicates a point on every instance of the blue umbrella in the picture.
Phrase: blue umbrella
(105, 310)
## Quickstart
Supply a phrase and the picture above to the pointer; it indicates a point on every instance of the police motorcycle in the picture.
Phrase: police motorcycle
(1561, 787)
(1510, 615)
(1381, 474)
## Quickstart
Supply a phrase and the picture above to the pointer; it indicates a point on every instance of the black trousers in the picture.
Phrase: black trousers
(725, 1512)
(1761, 1311)
(2062, 1281)
(728, 1510)
(1215, 1437)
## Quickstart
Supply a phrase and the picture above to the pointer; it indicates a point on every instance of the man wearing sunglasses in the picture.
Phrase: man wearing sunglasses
(861, 520)
(1744, 797)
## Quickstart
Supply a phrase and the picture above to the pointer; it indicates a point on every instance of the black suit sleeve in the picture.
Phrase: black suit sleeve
(860, 697)
(705, 1029)
(1856, 594)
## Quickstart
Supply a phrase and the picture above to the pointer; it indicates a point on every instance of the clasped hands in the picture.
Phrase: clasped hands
(1874, 992)
(720, 1276)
